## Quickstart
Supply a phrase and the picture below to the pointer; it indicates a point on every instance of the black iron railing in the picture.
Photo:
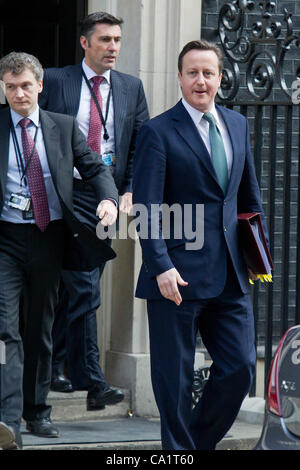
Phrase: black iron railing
(262, 66)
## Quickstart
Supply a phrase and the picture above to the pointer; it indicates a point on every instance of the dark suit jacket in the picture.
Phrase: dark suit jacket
(66, 147)
(61, 94)
(173, 166)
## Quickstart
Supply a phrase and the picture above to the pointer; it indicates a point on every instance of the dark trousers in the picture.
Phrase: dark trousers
(75, 342)
(74, 332)
(30, 266)
(227, 329)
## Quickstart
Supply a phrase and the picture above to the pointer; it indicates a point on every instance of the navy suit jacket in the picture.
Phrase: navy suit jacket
(66, 147)
(172, 166)
(61, 94)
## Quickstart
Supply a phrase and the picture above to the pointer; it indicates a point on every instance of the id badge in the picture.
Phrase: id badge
(19, 201)
(108, 158)
(28, 214)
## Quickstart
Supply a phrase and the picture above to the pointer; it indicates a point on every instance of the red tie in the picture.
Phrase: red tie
(35, 178)
(94, 136)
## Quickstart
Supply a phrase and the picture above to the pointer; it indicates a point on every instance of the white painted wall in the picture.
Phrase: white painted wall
(154, 32)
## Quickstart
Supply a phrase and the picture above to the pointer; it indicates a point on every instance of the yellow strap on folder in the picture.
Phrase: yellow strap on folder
(263, 278)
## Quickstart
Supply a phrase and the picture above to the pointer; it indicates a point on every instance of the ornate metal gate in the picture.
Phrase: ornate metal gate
(261, 79)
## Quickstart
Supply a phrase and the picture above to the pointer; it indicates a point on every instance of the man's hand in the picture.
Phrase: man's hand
(252, 276)
(167, 283)
(107, 212)
(126, 203)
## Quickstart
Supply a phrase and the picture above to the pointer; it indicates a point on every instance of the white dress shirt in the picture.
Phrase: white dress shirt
(13, 181)
(203, 129)
(83, 115)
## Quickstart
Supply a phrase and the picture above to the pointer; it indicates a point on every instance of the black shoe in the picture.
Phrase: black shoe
(106, 396)
(42, 428)
(10, 437)
(60, 383)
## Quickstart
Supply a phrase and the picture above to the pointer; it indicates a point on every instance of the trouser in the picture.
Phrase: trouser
(2, 361)
(75, 329)
(227, 329)
(75, 342)
(30, 266)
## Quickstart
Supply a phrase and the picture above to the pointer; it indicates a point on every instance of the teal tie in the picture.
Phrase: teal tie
(218, 154)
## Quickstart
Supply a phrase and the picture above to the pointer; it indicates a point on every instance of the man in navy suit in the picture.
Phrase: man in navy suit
(197, 155)
(70, 90)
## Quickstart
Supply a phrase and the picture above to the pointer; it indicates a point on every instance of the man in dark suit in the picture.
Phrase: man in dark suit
(196, 157)
(71, 90)
(37, 227)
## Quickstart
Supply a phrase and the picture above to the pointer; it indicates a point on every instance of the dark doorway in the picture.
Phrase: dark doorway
(49, 30)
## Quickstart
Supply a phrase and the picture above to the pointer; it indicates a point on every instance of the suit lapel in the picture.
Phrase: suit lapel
(4, 146)
(231, 127)
(72, 92)
(186, 128)
(72, 89)
(51, 136)
(119, 92)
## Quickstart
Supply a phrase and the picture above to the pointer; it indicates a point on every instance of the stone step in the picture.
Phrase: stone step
(72, 407)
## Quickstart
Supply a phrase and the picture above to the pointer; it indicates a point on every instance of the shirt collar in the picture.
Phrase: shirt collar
(34, 117)
(197, 115)
(90, 72)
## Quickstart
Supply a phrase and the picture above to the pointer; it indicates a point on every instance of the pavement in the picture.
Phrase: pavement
(135, 433)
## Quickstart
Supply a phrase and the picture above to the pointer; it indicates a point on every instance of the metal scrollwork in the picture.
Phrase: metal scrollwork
(230, 82)
(260, 75)
(263, 47)
(235, 43)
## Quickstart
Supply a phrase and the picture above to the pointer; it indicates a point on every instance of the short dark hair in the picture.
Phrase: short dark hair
(202, 45)
(88, 24)
(17, 62)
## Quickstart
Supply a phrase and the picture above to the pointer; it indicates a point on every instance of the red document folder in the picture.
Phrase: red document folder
(254, 244)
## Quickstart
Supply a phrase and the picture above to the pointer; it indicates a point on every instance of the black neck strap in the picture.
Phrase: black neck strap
(103, 120)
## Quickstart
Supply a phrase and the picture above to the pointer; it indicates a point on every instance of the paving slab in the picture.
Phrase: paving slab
(129, 434)
(102, 432)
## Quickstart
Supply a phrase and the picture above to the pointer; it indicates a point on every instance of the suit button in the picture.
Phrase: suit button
(225, 202)
(75, 235)
(225, 229)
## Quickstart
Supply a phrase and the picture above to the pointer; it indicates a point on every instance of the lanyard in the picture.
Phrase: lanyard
(104, 121)
(22, 169)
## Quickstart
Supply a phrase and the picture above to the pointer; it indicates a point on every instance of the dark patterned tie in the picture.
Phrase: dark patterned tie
(94, 136)
(218, 154)
(35, 178)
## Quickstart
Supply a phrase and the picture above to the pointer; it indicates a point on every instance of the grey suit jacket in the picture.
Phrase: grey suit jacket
(61, 94)
(66, 147)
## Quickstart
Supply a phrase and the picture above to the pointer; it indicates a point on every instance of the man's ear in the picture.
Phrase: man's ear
(84, 42)
(220, 79)
(179, 78)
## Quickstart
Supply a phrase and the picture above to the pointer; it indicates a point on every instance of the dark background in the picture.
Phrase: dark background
(47, 29)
